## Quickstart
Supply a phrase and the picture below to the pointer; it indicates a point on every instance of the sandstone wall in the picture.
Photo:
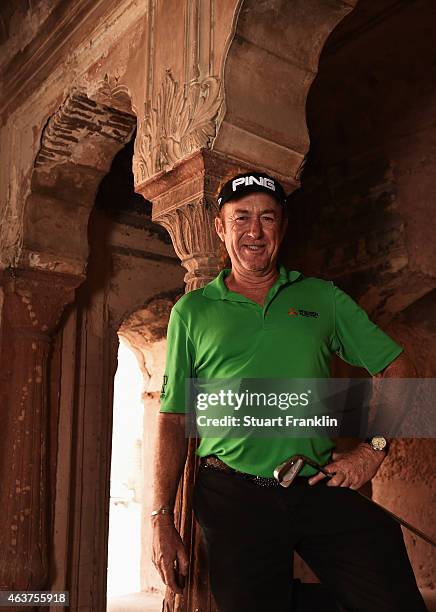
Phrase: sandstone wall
(365, 214)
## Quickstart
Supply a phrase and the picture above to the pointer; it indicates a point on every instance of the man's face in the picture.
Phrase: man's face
(252, 229)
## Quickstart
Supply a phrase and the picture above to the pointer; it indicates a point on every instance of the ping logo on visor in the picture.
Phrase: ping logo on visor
(251, 182)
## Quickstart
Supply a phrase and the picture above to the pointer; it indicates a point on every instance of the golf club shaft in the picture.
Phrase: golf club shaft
(416, 531)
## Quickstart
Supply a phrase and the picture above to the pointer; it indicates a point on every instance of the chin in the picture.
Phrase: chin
(252, 263)
(256, 266)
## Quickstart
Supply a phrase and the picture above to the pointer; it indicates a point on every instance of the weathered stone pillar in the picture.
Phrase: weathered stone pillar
(184, 202)
(33, 303)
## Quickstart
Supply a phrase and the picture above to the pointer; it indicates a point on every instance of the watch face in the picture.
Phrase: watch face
(378, 443)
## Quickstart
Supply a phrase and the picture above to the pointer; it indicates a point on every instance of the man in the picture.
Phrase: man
(242, 325)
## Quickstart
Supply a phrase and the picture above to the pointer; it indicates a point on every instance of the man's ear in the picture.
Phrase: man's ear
(219, 228)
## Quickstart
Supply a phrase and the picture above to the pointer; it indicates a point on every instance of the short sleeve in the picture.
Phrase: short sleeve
(178, 366)
(357, 340)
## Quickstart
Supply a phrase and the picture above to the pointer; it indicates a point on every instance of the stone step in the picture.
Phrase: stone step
(144, 602)
(152, 602)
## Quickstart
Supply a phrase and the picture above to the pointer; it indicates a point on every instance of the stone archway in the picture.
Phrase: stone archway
(78, 145)
(49, 260)
(269, 69)
(130, 261)
(145, 333)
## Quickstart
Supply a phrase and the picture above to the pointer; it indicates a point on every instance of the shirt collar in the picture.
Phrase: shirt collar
(217, 289)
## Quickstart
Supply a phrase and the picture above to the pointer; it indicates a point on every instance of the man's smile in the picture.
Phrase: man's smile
(254, 247)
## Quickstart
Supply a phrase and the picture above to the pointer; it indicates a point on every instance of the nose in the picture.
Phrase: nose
(255, 230)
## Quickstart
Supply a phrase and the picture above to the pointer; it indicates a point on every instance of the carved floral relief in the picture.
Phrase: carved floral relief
(182, 120)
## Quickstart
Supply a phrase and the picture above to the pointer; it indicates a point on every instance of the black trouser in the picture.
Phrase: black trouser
(356, 550)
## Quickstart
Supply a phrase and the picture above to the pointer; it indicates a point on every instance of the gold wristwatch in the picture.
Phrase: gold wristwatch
(378, 443)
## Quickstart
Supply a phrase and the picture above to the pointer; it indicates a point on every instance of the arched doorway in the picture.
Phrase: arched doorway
(131, 260)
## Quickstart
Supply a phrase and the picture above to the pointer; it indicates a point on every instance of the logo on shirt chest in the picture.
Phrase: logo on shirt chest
(296, 312)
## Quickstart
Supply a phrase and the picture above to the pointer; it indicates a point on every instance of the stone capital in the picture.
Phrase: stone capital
(34, 300)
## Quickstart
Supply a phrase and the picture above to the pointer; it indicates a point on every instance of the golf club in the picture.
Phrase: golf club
(286, 472)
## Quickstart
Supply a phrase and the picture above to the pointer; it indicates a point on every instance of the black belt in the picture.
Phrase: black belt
(212, 462)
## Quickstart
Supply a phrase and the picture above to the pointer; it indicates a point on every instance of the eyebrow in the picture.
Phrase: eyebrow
(248, 210)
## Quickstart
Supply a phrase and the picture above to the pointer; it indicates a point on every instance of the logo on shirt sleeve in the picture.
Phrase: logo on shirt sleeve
(164, 384)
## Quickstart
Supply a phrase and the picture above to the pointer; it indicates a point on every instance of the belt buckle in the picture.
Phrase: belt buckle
(211, 461)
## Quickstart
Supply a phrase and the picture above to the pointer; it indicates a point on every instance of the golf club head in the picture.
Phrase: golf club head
(288, 470)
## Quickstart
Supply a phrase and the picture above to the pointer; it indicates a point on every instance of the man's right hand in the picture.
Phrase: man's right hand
(168, 548)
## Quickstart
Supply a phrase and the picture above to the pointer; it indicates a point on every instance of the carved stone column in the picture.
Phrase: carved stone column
(184, 202)
(33, 303)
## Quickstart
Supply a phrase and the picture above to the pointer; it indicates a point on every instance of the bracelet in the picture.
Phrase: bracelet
(162, 510)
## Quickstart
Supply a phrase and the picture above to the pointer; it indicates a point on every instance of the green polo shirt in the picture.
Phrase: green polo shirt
(215, 333)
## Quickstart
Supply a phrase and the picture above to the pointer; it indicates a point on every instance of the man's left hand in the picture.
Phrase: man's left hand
(352, 469)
